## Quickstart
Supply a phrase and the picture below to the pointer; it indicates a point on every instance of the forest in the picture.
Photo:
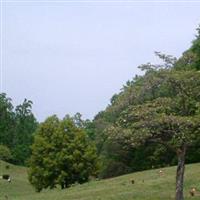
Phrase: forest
(152, 122)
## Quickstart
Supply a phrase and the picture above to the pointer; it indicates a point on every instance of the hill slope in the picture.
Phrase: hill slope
(148, 186)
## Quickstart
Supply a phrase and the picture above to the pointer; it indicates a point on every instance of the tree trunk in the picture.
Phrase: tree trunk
(180, 173)
(62, 185)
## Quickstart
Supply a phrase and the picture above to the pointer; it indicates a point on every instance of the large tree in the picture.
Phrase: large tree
(138, 91)
(168, 113)
(61, 155)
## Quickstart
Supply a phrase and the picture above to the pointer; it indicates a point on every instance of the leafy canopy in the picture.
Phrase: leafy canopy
(62, 154)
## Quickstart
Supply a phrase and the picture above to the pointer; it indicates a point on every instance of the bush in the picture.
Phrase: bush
(61, 155)
(114, 168)
(5, 153)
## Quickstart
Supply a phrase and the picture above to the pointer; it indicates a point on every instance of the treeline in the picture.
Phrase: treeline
(57, 152)
(117, 154)
(17, 126)
(153, 122)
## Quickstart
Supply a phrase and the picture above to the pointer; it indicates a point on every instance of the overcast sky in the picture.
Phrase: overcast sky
(72, 57)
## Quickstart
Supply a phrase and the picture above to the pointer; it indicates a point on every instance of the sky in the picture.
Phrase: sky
(70, 57)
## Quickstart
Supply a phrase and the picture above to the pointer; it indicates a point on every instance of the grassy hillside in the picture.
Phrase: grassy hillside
(148, 186)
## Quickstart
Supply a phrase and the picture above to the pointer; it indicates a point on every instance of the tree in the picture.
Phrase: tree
(7, 125)
(26, 125)
(61, 155)
(16, 128)
(169, 116)
(190, 58)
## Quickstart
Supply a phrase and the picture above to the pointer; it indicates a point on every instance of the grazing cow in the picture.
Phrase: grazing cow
(161, 173)
(6, 177)
(193, 191)
(132, 181)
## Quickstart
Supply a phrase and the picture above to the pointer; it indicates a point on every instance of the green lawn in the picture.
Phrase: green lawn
(148, 186)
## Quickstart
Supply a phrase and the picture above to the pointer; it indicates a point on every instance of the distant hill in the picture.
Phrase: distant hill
(149, 185)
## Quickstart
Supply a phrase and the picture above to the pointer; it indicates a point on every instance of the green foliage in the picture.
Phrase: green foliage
(191, 58)
(113, 168)
(61, 154)
(170, 117)
(26, 125)
(5, 153)
(16, 128)
(7, 121)
(166, 95)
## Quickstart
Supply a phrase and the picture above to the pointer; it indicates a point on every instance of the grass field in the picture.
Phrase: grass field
(148, 186)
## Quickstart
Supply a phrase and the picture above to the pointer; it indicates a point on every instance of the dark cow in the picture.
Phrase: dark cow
(6, 177)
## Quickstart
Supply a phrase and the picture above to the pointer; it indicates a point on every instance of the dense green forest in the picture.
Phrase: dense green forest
(152, 122)
(170, 88)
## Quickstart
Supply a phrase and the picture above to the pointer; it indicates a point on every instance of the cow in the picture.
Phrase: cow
(6, 177)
